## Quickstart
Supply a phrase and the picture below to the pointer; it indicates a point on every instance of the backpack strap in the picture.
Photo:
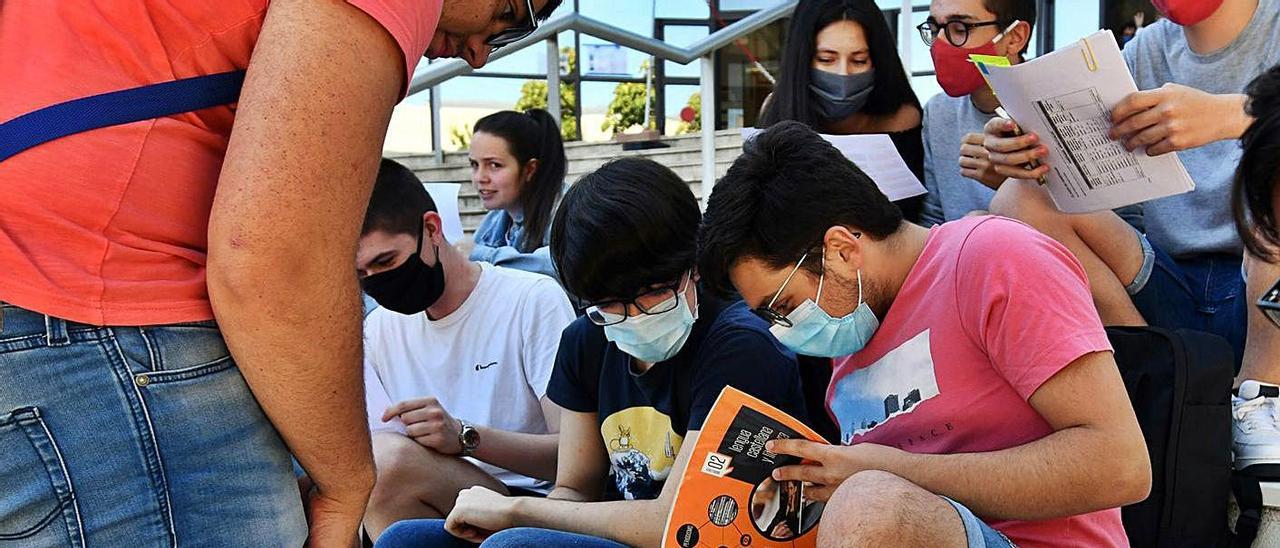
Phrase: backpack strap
(118, 107)
(1248, 493)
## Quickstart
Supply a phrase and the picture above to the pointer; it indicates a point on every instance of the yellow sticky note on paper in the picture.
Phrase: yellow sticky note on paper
(993, 60)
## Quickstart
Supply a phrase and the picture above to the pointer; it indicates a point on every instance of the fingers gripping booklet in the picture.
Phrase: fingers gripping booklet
(727, 496)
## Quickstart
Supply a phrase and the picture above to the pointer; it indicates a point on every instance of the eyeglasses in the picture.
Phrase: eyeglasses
(1269, 304)
(773, 317)
(516, 33)
(650, 302)
(957, 31)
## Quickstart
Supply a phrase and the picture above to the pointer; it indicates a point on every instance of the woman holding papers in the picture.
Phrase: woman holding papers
(841, 75)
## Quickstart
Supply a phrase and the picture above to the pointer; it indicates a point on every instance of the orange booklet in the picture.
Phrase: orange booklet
(727, 497)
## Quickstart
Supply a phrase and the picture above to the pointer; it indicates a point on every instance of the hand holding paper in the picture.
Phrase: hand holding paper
(1176, 117)
(1065, 99)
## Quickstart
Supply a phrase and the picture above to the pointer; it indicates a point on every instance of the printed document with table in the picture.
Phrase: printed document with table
(1066, 98)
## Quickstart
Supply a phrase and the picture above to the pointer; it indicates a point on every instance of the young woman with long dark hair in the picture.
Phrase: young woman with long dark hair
(841, 75)
(518, 167)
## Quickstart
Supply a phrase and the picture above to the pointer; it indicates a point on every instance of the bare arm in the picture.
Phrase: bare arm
(630, 522)
(1095, 458)
(297, 175)
(533, 455)
(583, 461)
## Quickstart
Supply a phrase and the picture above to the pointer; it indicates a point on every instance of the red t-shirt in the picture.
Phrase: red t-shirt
(109, 226)
(991, 311)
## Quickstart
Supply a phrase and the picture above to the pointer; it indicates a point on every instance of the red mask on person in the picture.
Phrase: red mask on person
(1187, 12)
(957, 75)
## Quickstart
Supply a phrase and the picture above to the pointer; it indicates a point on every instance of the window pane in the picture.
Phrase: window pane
(683, 36)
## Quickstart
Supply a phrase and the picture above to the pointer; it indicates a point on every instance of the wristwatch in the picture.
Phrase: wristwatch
(468, 438)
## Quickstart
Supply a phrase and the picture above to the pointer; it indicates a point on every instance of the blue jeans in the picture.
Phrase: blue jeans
(977, 532)
(135, 436)
(430, 533)
(1204, 293)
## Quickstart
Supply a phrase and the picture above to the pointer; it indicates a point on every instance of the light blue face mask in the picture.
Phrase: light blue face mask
(655, 338)
(813, 332)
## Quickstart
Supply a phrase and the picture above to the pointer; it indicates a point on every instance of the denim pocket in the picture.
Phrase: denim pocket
(175, 352)
(184, 374)
(37, 503)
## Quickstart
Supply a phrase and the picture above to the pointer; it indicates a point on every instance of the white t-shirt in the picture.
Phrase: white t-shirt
(487, 363)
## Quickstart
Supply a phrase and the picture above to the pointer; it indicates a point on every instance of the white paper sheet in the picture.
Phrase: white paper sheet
(876, 156)
(1068, 105)
(446, 197)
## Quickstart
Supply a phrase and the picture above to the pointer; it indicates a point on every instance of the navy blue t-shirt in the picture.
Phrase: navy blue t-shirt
(640, 422)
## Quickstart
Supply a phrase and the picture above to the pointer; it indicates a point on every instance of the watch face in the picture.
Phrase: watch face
(470, 436)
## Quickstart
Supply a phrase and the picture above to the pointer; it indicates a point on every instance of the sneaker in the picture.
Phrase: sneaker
(1255, 433)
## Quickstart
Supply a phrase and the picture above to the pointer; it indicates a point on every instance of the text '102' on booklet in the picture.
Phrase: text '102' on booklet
(1066, 97)
(728, 497)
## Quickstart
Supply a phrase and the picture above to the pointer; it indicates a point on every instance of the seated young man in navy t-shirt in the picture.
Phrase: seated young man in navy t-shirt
(636, 376)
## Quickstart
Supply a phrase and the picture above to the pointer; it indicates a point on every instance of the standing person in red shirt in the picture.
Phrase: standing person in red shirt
(177, 303)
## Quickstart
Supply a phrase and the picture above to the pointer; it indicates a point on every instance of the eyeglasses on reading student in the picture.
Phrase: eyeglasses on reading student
(649, 302)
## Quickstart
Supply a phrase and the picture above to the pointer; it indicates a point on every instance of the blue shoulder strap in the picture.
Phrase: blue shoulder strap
(118, 107)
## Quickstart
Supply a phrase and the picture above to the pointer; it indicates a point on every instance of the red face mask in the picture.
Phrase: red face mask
(956, 74)
(1187, 12)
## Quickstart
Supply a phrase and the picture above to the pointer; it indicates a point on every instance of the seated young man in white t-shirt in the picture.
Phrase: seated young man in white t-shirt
(457, 360)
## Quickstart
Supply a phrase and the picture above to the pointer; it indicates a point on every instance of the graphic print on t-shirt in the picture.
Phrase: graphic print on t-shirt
(893, 385)
(642, 450)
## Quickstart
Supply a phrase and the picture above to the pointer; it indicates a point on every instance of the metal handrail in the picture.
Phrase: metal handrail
(437, 73)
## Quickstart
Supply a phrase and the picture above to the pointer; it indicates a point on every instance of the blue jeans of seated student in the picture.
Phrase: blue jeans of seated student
(1204, 292)
(430, 533)
(135, 436)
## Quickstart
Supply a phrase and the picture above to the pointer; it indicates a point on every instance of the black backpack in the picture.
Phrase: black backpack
(1180, 386)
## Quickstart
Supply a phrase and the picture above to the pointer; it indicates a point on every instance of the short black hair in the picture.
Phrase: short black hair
(547, 10)
(1258, 176)
(1008, 11)
(623, 228)
(792, 99)
(398, 202)
(778, 200)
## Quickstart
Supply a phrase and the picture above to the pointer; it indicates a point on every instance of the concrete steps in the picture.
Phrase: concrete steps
(684, 157)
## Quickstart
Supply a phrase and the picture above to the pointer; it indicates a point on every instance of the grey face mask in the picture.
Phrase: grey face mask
(838, 96)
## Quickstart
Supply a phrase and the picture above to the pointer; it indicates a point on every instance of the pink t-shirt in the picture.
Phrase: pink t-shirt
(991, 311)
(109, 226)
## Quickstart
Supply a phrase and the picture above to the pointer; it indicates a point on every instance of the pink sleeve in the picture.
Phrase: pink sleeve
(1025, 299)
(411, 22)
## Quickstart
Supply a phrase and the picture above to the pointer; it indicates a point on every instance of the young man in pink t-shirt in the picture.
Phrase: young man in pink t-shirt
(979, 401)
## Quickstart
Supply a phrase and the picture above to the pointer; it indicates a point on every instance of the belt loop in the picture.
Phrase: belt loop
(55, 331)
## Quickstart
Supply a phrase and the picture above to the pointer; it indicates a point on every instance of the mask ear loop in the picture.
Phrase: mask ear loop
(821, 276)
(859, 287)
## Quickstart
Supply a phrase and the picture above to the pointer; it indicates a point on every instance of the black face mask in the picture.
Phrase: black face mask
(409, 288)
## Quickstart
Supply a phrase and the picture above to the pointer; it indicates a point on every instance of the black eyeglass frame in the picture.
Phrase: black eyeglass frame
(514, 34)
(930, 28)
(674, 289)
